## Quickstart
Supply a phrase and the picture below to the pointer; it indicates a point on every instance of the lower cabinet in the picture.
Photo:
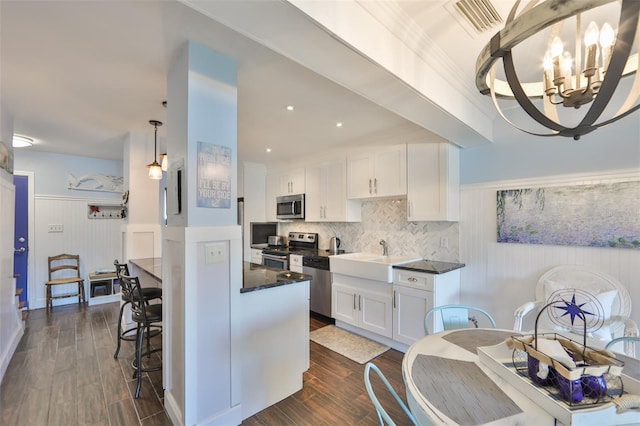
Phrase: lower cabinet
(256, 256)
(410, 306)
(395, 311)
(363, 307)
(414, 294)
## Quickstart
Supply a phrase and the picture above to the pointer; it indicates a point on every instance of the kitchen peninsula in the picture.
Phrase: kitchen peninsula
(273, 332)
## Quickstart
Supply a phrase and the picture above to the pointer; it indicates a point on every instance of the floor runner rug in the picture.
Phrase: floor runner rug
(354, 347)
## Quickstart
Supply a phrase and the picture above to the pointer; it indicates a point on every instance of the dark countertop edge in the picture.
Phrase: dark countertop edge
(264, 277)
(151, 265)
(430, 266)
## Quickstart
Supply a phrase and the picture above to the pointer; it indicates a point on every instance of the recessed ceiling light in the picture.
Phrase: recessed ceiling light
(338, 124)
(289, 107)
(20, 141)
(268, 149)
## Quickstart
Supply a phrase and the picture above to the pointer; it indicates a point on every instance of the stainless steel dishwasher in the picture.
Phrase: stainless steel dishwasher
(320, 286)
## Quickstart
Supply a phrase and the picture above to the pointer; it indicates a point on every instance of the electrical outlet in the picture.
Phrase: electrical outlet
(444, 242)
(214, 253)
(55, 228)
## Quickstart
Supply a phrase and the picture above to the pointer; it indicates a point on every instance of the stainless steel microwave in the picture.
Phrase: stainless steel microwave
(290, 207)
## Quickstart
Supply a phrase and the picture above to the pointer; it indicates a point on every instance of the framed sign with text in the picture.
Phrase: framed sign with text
(214, 176)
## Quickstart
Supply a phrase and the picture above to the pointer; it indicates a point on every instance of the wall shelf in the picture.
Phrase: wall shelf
(105, 211)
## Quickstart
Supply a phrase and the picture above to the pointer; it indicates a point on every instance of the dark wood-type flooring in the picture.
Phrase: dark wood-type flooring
(63, 373)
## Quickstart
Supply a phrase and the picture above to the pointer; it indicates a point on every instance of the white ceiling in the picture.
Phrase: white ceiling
(78, 76)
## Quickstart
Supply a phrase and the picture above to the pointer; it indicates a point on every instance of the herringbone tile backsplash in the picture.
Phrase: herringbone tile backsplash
(387, 220)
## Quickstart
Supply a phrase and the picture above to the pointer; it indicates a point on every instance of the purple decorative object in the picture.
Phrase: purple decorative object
(532, 369)
(571, 390)
(594, 386)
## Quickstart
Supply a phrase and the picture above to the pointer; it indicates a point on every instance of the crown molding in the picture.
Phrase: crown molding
(393, 17)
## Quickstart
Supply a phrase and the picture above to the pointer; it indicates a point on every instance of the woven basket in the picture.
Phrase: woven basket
(595, 379)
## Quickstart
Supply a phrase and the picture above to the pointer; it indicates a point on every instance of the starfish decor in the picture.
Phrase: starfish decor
(574, 309)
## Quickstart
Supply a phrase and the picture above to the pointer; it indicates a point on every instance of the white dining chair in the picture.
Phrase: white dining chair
(383, 416)
(580, 294)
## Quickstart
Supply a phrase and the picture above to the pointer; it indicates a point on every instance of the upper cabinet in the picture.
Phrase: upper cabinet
(378, 173)
(287, 182)
(433, 183)
(326, 194)
(291, 182)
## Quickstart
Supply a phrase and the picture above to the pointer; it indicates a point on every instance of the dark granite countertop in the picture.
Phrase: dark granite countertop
(258, 277)
(254, 276)
(430, 266)
(151, 265)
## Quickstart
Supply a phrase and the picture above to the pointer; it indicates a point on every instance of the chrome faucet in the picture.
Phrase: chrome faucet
(385, 249)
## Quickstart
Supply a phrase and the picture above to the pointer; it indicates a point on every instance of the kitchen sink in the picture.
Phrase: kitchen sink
(368, 265)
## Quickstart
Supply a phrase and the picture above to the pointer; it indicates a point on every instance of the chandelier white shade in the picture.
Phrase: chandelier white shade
(585, 81)
(20, 141)
(155, 170)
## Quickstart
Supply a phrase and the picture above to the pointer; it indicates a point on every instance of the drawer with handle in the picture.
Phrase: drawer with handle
(413, 279)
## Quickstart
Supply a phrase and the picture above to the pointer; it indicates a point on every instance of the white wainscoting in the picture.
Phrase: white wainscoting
(501, 276)
(97, 241)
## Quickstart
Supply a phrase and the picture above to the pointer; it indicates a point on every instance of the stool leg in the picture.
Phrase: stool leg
(120, 329)
(141, 329)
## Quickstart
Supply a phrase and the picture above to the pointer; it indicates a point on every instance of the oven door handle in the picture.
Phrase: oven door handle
(271, 256)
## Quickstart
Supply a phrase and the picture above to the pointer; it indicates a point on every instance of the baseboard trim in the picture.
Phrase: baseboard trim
(11, 349)
(173, 409)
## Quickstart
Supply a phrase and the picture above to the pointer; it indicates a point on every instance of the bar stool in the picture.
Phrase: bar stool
(145, 316)
(148, 293)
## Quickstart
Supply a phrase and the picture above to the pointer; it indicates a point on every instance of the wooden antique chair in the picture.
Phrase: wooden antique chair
(64, 269)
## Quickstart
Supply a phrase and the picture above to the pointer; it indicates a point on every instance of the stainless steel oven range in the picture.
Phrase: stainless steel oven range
(299, 243)
(275, 258)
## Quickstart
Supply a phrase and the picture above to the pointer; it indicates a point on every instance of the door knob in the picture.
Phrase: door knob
(20, 250)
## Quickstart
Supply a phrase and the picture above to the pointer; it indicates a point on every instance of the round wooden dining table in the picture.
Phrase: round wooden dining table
(450, 382)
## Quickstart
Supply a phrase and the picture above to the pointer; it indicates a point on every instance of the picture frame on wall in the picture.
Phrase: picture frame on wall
(595, 215)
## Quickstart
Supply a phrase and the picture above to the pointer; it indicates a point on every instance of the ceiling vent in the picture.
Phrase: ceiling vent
(481, 15)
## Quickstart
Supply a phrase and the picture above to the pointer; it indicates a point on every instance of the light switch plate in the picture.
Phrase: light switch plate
(214, 252)
(55, 228)
(444, 242)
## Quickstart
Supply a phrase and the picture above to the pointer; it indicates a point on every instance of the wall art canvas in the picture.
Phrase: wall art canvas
(599, 215)
(214, 176)
(96, 182)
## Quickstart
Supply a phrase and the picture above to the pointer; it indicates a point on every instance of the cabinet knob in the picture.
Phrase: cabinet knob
(412, 279)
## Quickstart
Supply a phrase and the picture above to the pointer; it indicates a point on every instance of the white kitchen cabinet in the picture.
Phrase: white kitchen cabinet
(282, 183)
(256, 256)
(433, 182)
(289, 182)
(378, 173)
(409, 309)
(295, 263)
(414, 293)
(326, 194)
(363, 304)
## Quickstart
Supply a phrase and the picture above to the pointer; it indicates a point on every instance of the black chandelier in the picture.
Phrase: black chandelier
(595, 78)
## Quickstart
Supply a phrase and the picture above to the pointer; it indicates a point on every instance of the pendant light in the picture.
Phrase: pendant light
(155, 170)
